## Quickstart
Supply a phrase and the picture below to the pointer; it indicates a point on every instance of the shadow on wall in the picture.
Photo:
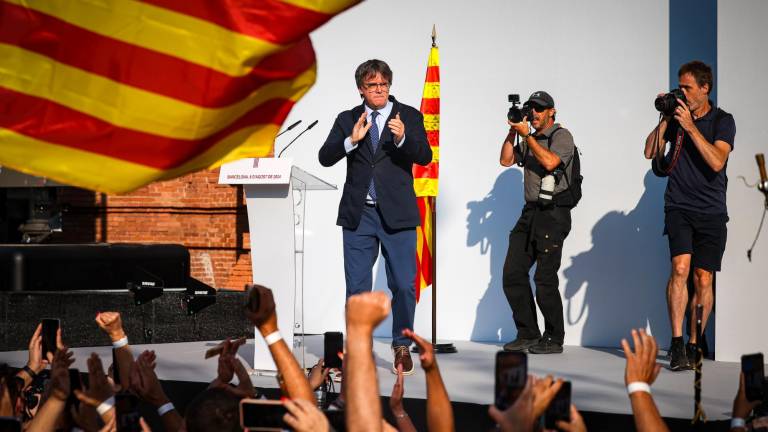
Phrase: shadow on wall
(624, 275)
(488, 225)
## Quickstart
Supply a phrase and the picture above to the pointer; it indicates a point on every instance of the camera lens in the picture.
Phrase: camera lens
(515, 115)
(666, 104)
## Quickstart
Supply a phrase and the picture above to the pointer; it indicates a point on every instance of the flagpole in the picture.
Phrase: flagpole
(440, 348)
(432, 269)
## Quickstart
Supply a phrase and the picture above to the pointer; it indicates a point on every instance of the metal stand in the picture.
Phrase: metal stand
(446, 347)
(699, 416)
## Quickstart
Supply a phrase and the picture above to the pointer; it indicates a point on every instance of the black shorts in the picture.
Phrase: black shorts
(701, 235)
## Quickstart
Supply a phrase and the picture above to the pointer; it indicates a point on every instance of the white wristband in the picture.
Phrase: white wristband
(106, 406)
(165, 408)
(273, 337)
(120, 342)
(638, 386)
(738, 422)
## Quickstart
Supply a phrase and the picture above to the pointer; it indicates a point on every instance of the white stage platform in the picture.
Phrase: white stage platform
(597, 374)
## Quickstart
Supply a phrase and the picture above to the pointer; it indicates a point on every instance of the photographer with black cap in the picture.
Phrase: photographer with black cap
(695, 212)
(547, 159)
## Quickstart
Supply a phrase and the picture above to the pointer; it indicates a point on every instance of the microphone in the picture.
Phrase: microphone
(297, 137)
(289, 128)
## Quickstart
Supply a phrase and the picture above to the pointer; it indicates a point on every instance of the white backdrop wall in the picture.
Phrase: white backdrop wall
(603, 62)
(742, 296)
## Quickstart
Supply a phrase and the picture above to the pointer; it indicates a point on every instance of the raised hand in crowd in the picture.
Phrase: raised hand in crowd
(404, 423)
(111, 324)
(146, 385)
(98, 393)
(439, 410)
(640, 372)
(742, 407)
(244, 385)
(544, 391)
(519, 416)
(85, 417)
(304, 416)
(226, 366)
(575, 425)
(49, 413)
(260, 310)
(35, 361)
(318, 375)
(364, 312)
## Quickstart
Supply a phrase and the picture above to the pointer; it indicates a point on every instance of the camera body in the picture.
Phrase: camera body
(516, 113)
(667, 103)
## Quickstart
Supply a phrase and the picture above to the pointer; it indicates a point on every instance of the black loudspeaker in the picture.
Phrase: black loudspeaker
(97, 266)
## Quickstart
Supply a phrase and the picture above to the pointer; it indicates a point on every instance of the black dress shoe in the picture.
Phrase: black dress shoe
(520, 344)
(546, 346)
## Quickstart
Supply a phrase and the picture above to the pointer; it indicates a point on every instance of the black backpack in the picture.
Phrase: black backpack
(571, 196)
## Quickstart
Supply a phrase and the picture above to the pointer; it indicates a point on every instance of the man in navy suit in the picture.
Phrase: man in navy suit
(381, 140)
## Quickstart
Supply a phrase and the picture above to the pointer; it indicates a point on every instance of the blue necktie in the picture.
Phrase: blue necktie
(374, 134)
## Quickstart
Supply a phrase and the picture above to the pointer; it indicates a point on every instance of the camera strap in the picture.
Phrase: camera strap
(676, 151)
(663, 168)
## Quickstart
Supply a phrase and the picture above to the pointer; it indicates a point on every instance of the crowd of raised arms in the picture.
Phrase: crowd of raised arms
(93, 405)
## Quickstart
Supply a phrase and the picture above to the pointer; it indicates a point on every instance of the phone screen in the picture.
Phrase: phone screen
(50, 327)
(10, 424)
(753, 369)
(74, 384)
(334, 344)
(560, 407)
(127, 410)
(262, 415)
(511, 376)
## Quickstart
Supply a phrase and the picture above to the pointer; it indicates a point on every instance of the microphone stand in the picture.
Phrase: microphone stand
(288, 128)
(297, 137)
(762, 186)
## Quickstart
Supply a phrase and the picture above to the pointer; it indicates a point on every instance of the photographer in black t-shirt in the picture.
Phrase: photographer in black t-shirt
(694, 202)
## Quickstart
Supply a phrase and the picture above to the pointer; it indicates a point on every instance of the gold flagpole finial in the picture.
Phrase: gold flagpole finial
(434, 36)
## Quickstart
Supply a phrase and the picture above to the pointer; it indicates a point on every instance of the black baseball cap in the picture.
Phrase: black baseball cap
(542, 99)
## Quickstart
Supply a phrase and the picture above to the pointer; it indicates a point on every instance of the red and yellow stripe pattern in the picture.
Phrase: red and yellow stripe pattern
(112, 95)
(425, 177)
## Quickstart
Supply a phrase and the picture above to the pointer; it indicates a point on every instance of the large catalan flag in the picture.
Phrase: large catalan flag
(111, 95)
(425, 177)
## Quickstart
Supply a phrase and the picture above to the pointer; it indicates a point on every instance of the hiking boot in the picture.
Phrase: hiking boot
(546, 346)
(520, 345)
(678, 359)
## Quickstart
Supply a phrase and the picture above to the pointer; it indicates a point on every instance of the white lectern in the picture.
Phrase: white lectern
(275, 195)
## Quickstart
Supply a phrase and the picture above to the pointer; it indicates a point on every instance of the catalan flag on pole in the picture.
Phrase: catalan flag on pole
(111, 95)
(425, 177)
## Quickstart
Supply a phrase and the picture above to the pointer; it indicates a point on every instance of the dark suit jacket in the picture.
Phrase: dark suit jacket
(390, 167)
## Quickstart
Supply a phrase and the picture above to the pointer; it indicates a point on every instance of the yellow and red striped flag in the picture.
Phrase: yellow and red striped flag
(112, 95)
(425, 177)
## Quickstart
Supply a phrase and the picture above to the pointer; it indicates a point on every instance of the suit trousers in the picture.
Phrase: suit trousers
(536, 238)
(398, 247)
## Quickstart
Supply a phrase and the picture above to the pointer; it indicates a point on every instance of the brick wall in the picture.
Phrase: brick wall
(208, 218)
